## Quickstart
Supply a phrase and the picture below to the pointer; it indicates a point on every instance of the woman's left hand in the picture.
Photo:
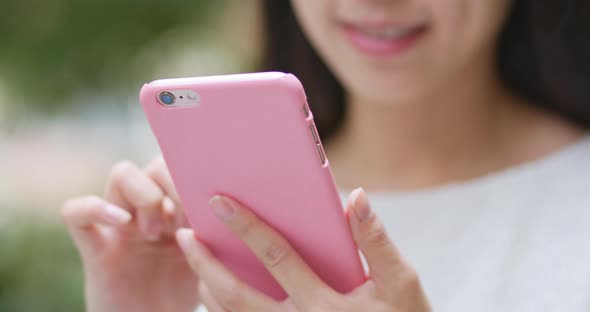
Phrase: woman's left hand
(393, 285)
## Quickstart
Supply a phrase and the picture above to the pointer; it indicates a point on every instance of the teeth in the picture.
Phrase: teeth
(390, 33)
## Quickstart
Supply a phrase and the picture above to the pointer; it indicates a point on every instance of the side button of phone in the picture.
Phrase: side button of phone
(321, 153)
(314, 133)
(306, 110)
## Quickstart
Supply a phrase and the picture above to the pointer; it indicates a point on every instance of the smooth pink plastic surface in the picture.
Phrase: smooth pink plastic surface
(250, 139)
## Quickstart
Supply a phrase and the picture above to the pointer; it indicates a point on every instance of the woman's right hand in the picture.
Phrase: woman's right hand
(127, 243)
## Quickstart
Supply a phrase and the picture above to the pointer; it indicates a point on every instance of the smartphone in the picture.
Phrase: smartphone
(252, 137)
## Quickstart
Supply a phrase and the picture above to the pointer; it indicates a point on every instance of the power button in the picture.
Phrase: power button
(314, 133)
(320, 150)
(306, 110)
(318, 144)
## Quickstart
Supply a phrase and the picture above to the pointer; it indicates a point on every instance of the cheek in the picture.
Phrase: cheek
(467, 30)
(314, 17)
(318, 20)
(463, 38)
(463, 32)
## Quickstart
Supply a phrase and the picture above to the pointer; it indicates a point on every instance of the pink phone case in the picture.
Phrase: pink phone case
(251, 138)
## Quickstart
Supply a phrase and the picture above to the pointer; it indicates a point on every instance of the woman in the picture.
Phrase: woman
(465, 119)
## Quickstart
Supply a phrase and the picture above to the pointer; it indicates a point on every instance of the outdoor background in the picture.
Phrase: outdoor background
(70, 73)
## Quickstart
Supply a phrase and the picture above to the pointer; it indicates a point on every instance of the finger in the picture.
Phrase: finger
(169, 217)
(175, 212)
(223, 286)
(132, 189)
(207, 299)
(82, 215)
(299, 281)
(158, 172)
(383, 258)
(168, 214)
(181, 220)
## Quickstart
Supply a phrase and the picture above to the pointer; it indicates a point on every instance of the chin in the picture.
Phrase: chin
(382, 91)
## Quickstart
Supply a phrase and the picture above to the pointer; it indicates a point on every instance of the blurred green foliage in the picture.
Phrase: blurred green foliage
(39, 269)
(51, 49)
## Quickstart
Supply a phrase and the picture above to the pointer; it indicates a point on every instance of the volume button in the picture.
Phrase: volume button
(314, 133)
(320, 150)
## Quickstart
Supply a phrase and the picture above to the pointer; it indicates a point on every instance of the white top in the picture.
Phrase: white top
(516, 240)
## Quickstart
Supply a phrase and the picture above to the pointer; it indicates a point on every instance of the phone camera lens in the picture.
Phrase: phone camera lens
(166, 98)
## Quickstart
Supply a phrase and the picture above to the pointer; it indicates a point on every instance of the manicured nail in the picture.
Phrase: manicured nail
(185, 239)
(222, 207)
(360, 205)
(116, 215)
(168, 205)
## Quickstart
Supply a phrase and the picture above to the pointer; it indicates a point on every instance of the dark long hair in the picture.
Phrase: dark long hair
(544, 56)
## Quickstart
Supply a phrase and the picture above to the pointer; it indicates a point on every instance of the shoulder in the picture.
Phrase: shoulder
(543, 133)
(555, 181)
(567, 180)
(570, 168)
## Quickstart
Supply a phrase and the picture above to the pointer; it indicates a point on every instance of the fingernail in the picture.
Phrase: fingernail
(185, 238)
(222, 207)
(116, 215)
(360, 205)
(168, 205)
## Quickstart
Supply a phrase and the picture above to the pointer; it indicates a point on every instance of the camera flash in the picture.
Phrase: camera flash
(191, 96)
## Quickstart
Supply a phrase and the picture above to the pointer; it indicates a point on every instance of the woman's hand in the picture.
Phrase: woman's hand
(392, 286)
(126, 242)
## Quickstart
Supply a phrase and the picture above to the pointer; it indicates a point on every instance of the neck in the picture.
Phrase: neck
(454, 133)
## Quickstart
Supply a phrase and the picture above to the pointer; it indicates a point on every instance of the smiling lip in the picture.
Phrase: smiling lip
(383, 40)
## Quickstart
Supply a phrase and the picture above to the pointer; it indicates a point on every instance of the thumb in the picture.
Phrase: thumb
(382, 256)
